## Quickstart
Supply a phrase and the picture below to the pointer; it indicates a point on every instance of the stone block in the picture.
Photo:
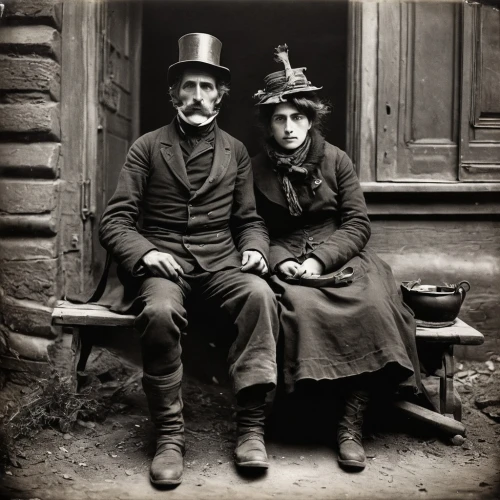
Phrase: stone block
(28, 248)
(36, 74)
(41, 40)
(31, 118)
(34, 368)
(39, 159)
(28, 347)
(34, 280)
(27, 316)
(32, 225)
(28, 197)
(43, 11)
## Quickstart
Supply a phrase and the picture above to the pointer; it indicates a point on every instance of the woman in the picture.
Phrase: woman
(341, 314)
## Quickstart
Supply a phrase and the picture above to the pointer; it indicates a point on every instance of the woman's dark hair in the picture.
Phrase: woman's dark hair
(311, 106)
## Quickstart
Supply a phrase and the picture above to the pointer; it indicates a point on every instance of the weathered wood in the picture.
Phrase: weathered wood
(37, 159)
(67, 313)
(29, 347)
(33, 225)
(458, 333)
(30, 118)
(34, 280)
(27, 316)
(480, 112)
(34, 368)
(389, 60)
(430, 187)
(30, 74)
(44, 11)
(28, 248)
(79, 98)
(89, 315)
(409, 209)
(28, 197)
(446, 424)
(41, 40)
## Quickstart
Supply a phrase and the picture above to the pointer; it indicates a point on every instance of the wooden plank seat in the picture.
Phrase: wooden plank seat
(435, 347)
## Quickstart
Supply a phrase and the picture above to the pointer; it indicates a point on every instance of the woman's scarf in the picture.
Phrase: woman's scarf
(290, 165)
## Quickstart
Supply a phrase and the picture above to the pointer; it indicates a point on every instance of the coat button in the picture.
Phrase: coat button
(317, 181)
(187, 245)
(210, 179)
(310, 238)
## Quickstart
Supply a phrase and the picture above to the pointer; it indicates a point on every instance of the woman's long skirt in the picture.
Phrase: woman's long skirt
(337, 332)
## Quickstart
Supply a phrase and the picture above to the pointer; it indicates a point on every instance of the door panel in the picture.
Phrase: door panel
(418, 99)
(480, 152)
(119, 67)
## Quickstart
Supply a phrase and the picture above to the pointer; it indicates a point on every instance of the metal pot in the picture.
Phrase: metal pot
(435, 303)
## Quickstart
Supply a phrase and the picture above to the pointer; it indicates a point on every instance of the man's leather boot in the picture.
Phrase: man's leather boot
(349, 432)
(165, 406)
(250, 418)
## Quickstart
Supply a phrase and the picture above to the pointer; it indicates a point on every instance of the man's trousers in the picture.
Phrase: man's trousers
(245, 298)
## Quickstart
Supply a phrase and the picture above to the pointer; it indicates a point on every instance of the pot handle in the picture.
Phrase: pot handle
(410, 284)
(462, 288)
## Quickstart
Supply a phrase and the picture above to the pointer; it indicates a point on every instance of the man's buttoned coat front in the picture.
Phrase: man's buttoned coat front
(153, 207)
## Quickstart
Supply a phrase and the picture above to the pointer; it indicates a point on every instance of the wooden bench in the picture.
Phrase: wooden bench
(435, 345)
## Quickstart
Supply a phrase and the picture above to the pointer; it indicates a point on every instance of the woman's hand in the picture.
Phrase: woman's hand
(310, 268)
(288, 268)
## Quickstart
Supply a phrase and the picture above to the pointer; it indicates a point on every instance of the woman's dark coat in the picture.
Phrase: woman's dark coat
(334, 332)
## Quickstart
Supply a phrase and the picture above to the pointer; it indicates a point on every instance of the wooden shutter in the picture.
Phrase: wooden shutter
(119, 50)
(480, 117)
(418, 92)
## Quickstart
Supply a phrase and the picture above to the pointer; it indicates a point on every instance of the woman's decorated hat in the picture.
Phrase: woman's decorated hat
(285, 82)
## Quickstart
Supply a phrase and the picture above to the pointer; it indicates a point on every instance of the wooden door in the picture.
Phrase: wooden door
(418, 91)
(119, 54)
(480, 121)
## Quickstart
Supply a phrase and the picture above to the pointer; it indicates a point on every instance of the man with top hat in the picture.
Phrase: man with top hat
(183, 220)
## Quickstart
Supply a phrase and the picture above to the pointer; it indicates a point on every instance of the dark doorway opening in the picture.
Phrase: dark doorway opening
(315, 31)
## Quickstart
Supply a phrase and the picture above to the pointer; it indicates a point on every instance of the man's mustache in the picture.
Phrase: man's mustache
(197, 109)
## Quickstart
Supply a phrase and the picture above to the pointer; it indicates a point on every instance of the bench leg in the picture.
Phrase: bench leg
(87, 341)
(449, 399)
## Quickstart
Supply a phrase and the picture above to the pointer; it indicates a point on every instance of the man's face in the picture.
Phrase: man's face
(199, 95)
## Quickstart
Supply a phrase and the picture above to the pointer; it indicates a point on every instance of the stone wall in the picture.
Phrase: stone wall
(30, 183)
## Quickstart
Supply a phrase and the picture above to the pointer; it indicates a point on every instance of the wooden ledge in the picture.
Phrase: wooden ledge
(458, 333)
(430, 187)
(70, 314)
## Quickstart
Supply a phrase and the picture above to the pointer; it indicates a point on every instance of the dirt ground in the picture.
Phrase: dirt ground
(109, 459)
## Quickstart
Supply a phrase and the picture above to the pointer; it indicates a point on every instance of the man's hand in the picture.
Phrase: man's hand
(310, 268)
(162, 265)
(252, 261)
(289, 267)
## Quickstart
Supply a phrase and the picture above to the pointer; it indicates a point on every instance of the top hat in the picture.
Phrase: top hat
(285, 82)
(199, 50)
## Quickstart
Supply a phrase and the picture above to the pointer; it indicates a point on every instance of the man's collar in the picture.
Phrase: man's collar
(170, 134)
(185, 119)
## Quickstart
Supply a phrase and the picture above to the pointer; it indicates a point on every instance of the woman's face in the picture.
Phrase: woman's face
(289, 127)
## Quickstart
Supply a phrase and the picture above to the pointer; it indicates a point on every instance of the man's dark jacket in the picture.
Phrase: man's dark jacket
(209, 228)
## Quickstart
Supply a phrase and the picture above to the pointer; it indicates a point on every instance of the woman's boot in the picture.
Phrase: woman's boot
(250, 419)
(349, 431)
(165, 406)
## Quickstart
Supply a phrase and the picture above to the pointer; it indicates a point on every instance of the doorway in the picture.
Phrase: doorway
(315, 31)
